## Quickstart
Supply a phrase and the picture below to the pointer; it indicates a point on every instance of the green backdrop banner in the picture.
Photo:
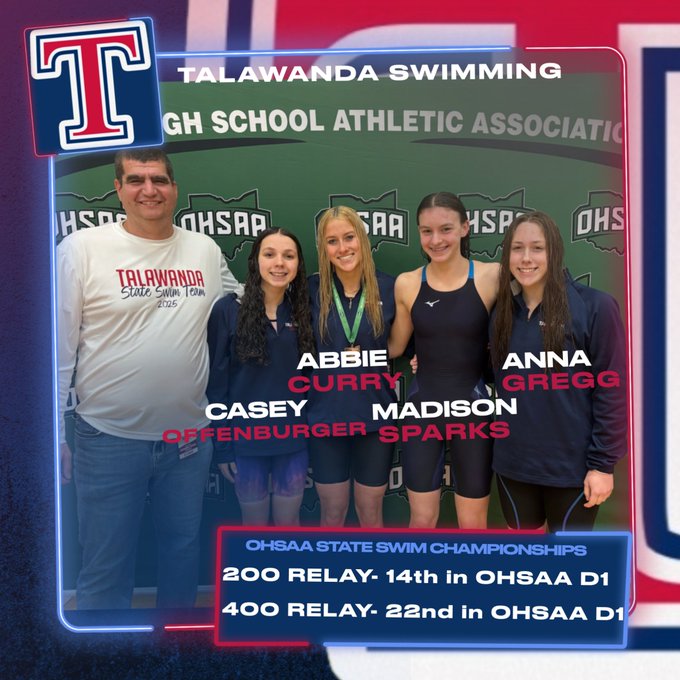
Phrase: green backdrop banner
(251, 155)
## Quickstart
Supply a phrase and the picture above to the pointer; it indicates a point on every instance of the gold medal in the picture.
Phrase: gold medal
(353, 348)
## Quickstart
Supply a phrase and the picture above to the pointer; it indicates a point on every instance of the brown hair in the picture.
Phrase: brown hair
(554, 306)
(445, 199)
(252, 322)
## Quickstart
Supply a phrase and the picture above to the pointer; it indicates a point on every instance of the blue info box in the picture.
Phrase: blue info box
(395, 587)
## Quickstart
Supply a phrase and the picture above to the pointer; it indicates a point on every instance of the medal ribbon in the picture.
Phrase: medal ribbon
(351, 335)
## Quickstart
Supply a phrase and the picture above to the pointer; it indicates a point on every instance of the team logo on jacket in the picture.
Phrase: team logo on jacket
(74, 212)
(383, 220)
(490, 217)
(94, 86)
(230, 221)
(600, 221)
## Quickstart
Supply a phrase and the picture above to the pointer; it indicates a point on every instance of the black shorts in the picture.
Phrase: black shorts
(423, 463)
(529, 506)
(362, 457)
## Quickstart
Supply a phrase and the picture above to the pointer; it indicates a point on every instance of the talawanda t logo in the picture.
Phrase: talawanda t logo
(383, 221)
(94, 86)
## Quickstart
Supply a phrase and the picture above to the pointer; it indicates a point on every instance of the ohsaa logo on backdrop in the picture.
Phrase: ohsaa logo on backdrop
(600, 221)
(490, 217)
(94, 86)
(74, 212)
(383, 220)
(230, 221)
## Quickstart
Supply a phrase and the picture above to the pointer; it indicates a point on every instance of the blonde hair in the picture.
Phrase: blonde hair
(369, 280)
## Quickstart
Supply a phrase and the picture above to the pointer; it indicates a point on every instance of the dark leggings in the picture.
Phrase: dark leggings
(363, 457)
(529, 506)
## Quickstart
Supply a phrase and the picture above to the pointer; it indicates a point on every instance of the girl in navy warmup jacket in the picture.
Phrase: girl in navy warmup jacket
(556, 466)
(255, 345)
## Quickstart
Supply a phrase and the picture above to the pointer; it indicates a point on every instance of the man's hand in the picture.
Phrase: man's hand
(66, 460)
(597, 487)
(226, 472)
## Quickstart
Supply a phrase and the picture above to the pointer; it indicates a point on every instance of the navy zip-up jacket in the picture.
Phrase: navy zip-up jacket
(231, 380)
(351, 405)
(560, 434)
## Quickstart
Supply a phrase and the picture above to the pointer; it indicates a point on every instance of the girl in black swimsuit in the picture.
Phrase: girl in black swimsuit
(446, 304)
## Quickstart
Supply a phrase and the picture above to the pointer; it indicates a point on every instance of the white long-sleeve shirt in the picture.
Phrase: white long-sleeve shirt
(133, 312)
